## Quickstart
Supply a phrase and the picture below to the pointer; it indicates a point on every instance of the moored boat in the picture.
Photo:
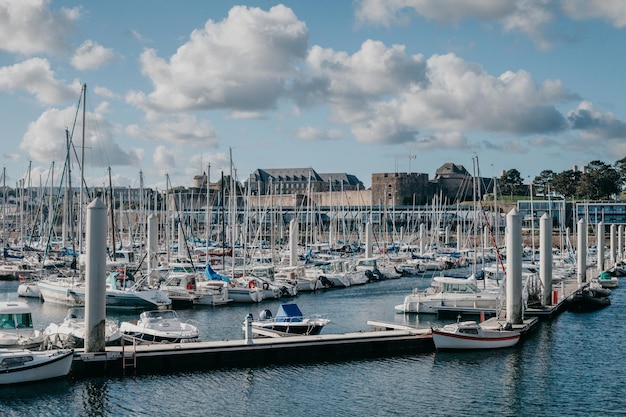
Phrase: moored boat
(160, 326)
(71, 332)
(585, 300)
(16, 327)
(21, 365)
(289, 319)
(472, 335)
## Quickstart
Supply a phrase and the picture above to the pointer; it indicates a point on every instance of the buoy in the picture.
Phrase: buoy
(251, 284)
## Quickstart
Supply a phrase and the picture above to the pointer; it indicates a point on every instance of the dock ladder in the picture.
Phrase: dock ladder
(130, 360)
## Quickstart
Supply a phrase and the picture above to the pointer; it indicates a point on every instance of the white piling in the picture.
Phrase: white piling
(422, 232)
(600, 242)
(368, 240)
(181, 240)
(620, 242)
(613, 243)
(545, 257)
(248, 329)
(514, 267)
(95, 276)
(293, 243)
(153, 242)
(581, 252)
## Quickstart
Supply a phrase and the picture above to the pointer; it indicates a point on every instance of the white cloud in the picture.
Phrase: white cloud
(242, 63)
(45, 139)
(389, 97)
(312, 133)
(179, 128)
(35, 76)
(164, 158)
(30, 27)
(612, 11)
(527, 16)
(91, 55)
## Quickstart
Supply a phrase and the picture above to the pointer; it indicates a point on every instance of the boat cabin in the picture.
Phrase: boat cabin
(456, 285)
(15, 315)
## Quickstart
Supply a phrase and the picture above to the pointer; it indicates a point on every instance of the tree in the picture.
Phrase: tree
(542, 182)
(511, 182)
(620, 167)
(600, 181)
(566, 182)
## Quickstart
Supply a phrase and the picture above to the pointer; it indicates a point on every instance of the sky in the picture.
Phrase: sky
(177, 89)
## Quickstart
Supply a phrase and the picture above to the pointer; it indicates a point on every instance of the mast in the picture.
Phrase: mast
(112, 208)
(82, 175)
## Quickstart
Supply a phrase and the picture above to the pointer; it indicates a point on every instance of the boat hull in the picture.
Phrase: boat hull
(450, 341)
(42, 365)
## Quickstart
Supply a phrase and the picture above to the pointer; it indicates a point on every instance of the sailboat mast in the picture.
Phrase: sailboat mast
(82, 175)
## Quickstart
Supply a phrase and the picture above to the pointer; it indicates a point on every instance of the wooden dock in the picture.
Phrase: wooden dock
(166, 358)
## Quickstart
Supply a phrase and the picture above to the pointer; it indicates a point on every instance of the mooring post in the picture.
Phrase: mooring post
(514, 267)
(248, 331)
(581, 252)
(600, 242)
(545, 263)
(95, 276)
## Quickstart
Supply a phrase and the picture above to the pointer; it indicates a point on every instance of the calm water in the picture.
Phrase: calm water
(572, 366)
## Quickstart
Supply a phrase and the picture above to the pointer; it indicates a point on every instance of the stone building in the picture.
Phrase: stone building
(298, 181)
(400, 189)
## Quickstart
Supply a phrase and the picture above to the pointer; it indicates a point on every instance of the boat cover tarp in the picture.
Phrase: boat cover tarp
(211, 274)
(289, 313)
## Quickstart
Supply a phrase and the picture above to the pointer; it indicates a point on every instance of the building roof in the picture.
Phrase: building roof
(286, 174)
(450, 169)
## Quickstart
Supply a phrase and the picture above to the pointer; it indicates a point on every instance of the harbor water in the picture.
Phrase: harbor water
(571, 366)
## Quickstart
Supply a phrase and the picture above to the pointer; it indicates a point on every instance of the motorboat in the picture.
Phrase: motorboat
(16, 327)
(160, 326)
(22, 365)
(289, 319)
(606, 280)
(450, 292)
(71, 332)
(122, 292)
(473, 335)
(585, 300)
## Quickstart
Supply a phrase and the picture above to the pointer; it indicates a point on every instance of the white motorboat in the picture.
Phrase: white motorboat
(472, 335)
(21, 365)
(450, 292)
(160, 326)
(16, 327)
(606, 280)
(71, 332)
(289, 319)
(122, 292)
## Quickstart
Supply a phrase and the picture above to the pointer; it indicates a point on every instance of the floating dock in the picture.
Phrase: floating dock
(166, 358)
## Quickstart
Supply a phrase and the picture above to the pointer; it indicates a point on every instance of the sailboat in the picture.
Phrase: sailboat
(127, 293)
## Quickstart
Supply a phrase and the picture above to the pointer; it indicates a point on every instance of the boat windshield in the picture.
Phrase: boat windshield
(460, 288)
(7, 321)
(165, 315)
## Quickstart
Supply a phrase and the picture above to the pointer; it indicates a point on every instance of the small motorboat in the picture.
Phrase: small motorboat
(289, 319)
(71, 332)
(473, 335)
(606, 280)
(585, 300)
(160, 326)
(16, 327)
(21, 365)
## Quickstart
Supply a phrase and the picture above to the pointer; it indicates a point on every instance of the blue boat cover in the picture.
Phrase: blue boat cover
(289, 313)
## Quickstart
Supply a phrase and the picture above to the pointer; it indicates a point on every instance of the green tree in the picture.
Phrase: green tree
(542, 182)
(620, 167)
(511, 182)
(600, 181)
(566, 182)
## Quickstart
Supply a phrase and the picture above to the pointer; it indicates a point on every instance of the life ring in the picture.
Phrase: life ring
(251, 284)
(266, 286)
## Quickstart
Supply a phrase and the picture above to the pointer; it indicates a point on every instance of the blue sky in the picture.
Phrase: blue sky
(339, 86)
